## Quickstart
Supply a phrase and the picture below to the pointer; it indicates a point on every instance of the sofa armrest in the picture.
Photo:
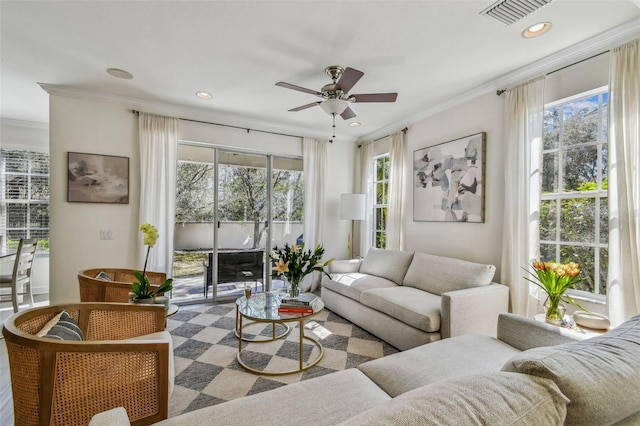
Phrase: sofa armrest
(525, 333)
(473, 310)
(344, 266)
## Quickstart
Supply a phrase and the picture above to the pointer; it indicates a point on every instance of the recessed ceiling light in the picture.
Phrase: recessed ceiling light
(354, 124)
(536, 30)
(204, 95)
(118, 73)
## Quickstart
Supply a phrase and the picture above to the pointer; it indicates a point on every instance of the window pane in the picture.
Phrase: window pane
(380, 193)
(551, 128)
(385, 193)
(604, 268)
(385, 160)
(548, 220)
(16, 216)
(605, 166)
(548, 252)
(604, 220)
(580, 166)
(584, 257)
(16, 161)
(39, 163)
(379, 169)
(381, 240)
(39, 216)
(194, 192)
(581, 121)
(577, 220)
(39, 187)
(605, 117)
(550, 172)
(16, 187)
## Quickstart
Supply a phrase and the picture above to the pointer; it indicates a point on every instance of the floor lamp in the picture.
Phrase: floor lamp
(352, 208)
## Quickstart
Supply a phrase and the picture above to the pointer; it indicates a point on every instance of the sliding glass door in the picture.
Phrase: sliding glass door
(229, 204)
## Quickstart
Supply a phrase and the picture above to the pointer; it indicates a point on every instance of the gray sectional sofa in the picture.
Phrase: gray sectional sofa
(411, 298)
(532, 374)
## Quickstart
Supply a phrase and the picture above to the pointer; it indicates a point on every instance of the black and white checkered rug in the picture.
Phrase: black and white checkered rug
(205, 348)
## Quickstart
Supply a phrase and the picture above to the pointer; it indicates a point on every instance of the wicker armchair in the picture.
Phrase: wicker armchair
(67, 382)
(117, 290)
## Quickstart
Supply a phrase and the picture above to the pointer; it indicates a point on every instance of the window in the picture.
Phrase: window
(574, 208)
(24, 198)
(380, 205)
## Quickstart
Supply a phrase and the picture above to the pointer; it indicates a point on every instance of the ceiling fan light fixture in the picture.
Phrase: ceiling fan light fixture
(333, 106)
(355, 124)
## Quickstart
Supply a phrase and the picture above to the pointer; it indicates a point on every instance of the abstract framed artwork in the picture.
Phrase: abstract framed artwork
(95, 178)
(448, 181)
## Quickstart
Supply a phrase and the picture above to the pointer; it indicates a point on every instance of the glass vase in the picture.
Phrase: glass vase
(554, 310)
(294, 290)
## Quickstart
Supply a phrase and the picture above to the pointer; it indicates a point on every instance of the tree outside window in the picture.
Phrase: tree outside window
(574, 209)
(381, 200)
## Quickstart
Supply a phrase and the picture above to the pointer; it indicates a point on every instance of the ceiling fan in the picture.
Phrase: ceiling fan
(336, 97)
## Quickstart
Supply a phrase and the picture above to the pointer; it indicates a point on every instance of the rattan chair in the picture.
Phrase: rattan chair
(117, 290)
(67, 382)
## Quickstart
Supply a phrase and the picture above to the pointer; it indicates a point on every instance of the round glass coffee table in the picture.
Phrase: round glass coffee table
(263, 308)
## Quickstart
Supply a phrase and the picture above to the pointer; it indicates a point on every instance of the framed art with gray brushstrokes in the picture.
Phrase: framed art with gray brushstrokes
(95, 178)
(448, 181)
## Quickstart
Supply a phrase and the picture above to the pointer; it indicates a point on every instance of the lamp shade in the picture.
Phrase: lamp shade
(333, 106)
(352, 206)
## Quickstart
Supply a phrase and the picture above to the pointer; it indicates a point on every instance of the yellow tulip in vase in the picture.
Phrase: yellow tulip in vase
(142, 289)
(294, 263)
(555, 279)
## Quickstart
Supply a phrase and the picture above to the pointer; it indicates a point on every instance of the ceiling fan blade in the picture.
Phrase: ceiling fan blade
(300, 108)
(298, 88)
(349, 78)
(375, 97)
(347, 114)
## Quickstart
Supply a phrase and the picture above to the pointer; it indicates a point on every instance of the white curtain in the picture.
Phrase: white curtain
(366, 188)
(524, 107)
(395, 231)
(623, 289)
(158, 156)
(314, 153)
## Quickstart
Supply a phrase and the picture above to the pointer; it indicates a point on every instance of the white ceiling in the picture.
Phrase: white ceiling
(429, 52)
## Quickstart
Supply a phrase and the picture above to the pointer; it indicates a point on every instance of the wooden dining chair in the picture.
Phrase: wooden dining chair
(19, 282)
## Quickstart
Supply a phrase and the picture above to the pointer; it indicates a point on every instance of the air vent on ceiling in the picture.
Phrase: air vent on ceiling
(510, 11)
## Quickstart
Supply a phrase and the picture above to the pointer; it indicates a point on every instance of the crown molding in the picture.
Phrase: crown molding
(23, 123)
(579, 51)
(182, 111)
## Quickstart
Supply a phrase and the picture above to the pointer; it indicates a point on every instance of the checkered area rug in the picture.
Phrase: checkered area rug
(205, 349)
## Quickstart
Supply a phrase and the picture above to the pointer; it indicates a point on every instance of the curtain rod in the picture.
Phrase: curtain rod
(230, 126)
(382, 137)
(501, 91)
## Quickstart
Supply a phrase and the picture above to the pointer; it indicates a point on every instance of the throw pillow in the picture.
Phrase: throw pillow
(61, 327)
(389, 264)
(439, 274)
(495, 398)
(103, 276)
(600, 375)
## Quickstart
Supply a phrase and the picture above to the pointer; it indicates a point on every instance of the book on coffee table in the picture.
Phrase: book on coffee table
(304, 299)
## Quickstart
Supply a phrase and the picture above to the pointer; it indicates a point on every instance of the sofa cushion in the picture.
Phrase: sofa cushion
(353, 284)
(437, 274)
(409, 305)
(422, 365)
(325, 400)
(389, 264)
(495, 398)
(601, 375)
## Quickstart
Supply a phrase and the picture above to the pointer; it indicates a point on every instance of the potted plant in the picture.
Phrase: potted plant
(294, 263)
(555, 279)
(142, 289)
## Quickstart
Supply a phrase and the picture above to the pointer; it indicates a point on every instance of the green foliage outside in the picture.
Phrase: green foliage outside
(242, 195)
(43, 245)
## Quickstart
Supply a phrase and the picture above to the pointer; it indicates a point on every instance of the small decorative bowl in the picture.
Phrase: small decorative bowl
(591, 320)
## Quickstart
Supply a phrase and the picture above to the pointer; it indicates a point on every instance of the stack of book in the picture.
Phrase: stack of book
(305, 303)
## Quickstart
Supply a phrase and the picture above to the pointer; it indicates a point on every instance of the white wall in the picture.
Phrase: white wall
(477, 242)
(104, 128)
(97, 128)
